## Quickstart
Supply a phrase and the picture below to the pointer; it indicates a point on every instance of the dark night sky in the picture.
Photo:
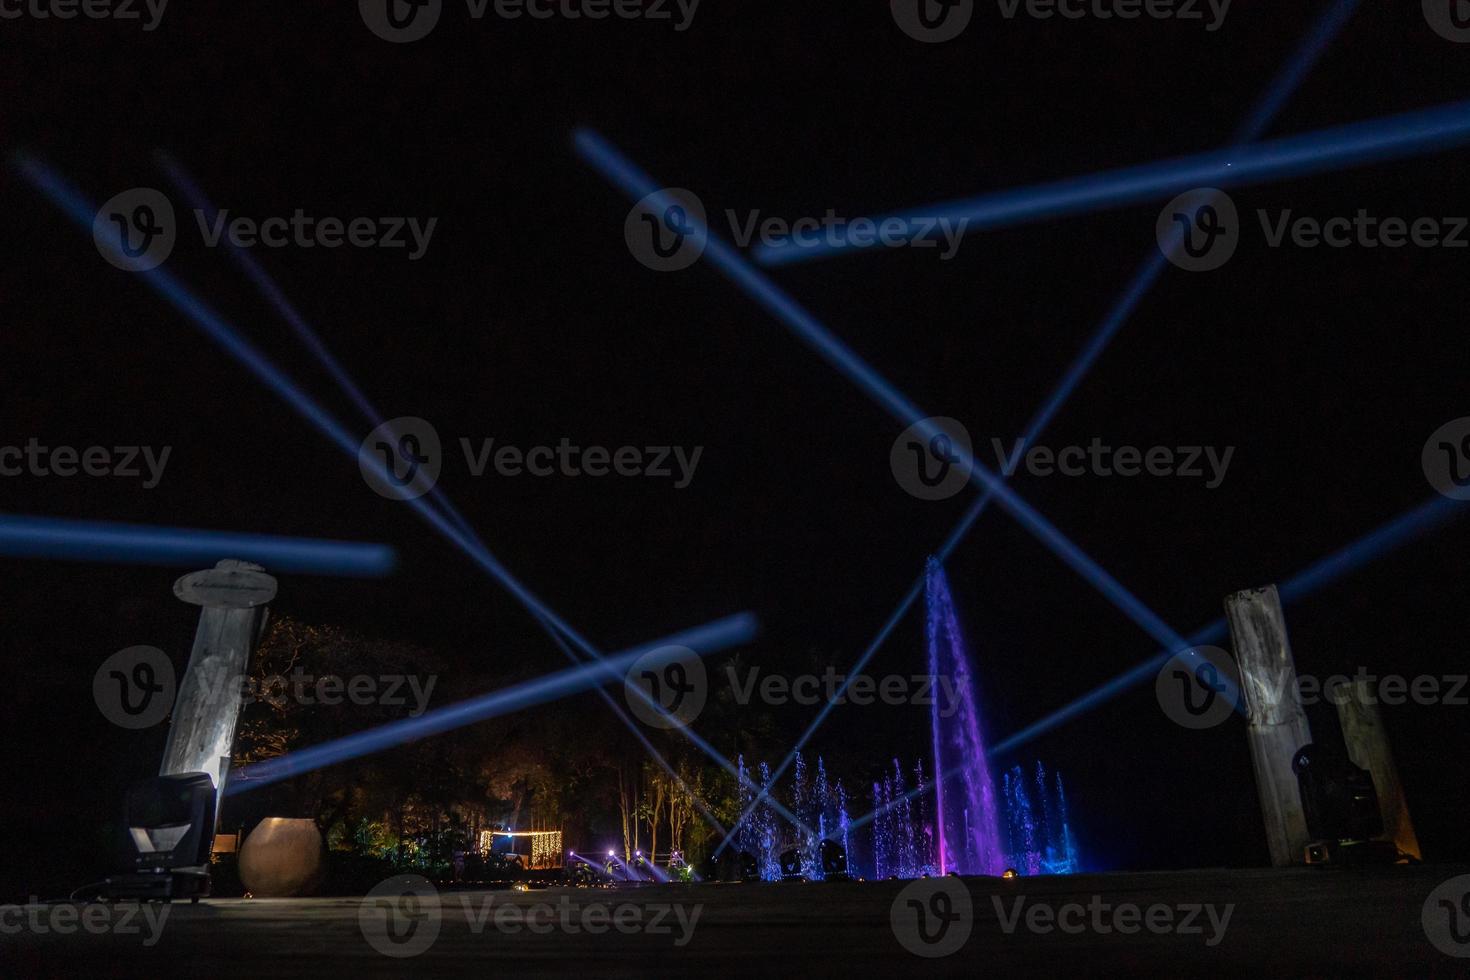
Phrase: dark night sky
(528, 321)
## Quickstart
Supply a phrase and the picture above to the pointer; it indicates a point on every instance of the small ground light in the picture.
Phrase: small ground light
(1011, 873)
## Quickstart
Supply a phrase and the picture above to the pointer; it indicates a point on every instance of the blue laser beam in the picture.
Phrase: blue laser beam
(643, 739)
(24, 536)
(705, 640)
(621, 172)
(1299, 587)
(296, 320)
(606, 159)
(1340, 147)
(75, 205)
(1286, 82)
(277, 298)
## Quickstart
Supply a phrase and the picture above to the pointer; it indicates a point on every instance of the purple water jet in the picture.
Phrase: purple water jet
(967, 823)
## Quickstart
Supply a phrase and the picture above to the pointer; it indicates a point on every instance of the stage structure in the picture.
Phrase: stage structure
(545, 846)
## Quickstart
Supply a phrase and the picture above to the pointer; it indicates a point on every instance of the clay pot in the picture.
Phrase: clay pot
(283, 858)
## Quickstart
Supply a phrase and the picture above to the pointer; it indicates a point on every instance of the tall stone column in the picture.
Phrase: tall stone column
(233, 597)
(1278, 725)
(1367, 746)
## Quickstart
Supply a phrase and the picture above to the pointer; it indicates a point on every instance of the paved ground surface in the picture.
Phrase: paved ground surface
(1305, 923)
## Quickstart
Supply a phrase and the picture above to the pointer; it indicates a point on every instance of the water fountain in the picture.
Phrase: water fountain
(935, 819)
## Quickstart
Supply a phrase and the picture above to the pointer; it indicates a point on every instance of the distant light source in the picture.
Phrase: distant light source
(1010, 873)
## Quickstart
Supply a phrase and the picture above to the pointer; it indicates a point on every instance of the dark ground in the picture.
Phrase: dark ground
(1302, 923)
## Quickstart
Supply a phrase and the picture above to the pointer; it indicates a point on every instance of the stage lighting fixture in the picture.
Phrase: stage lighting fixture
(583, 874)
(749, 869)
(1340, 804)
(168, 826)
(834, 861)
(791, 866)
(1010, 873)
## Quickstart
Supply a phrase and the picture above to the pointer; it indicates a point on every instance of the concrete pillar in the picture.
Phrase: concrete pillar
(233, 596)
(1367, 746)
(1278, 725)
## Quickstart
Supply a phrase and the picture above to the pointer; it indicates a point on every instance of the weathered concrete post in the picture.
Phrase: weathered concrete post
(1278, 725)
(201, 733)
(1367, 746)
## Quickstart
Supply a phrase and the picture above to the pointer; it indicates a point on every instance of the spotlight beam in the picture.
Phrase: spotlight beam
(70, 540)
(1281, 88)
(623, 173)
(706, 639)
(305, 332)
(1353, 145)
(276, 296)
(1301, 586)
(75, 205)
